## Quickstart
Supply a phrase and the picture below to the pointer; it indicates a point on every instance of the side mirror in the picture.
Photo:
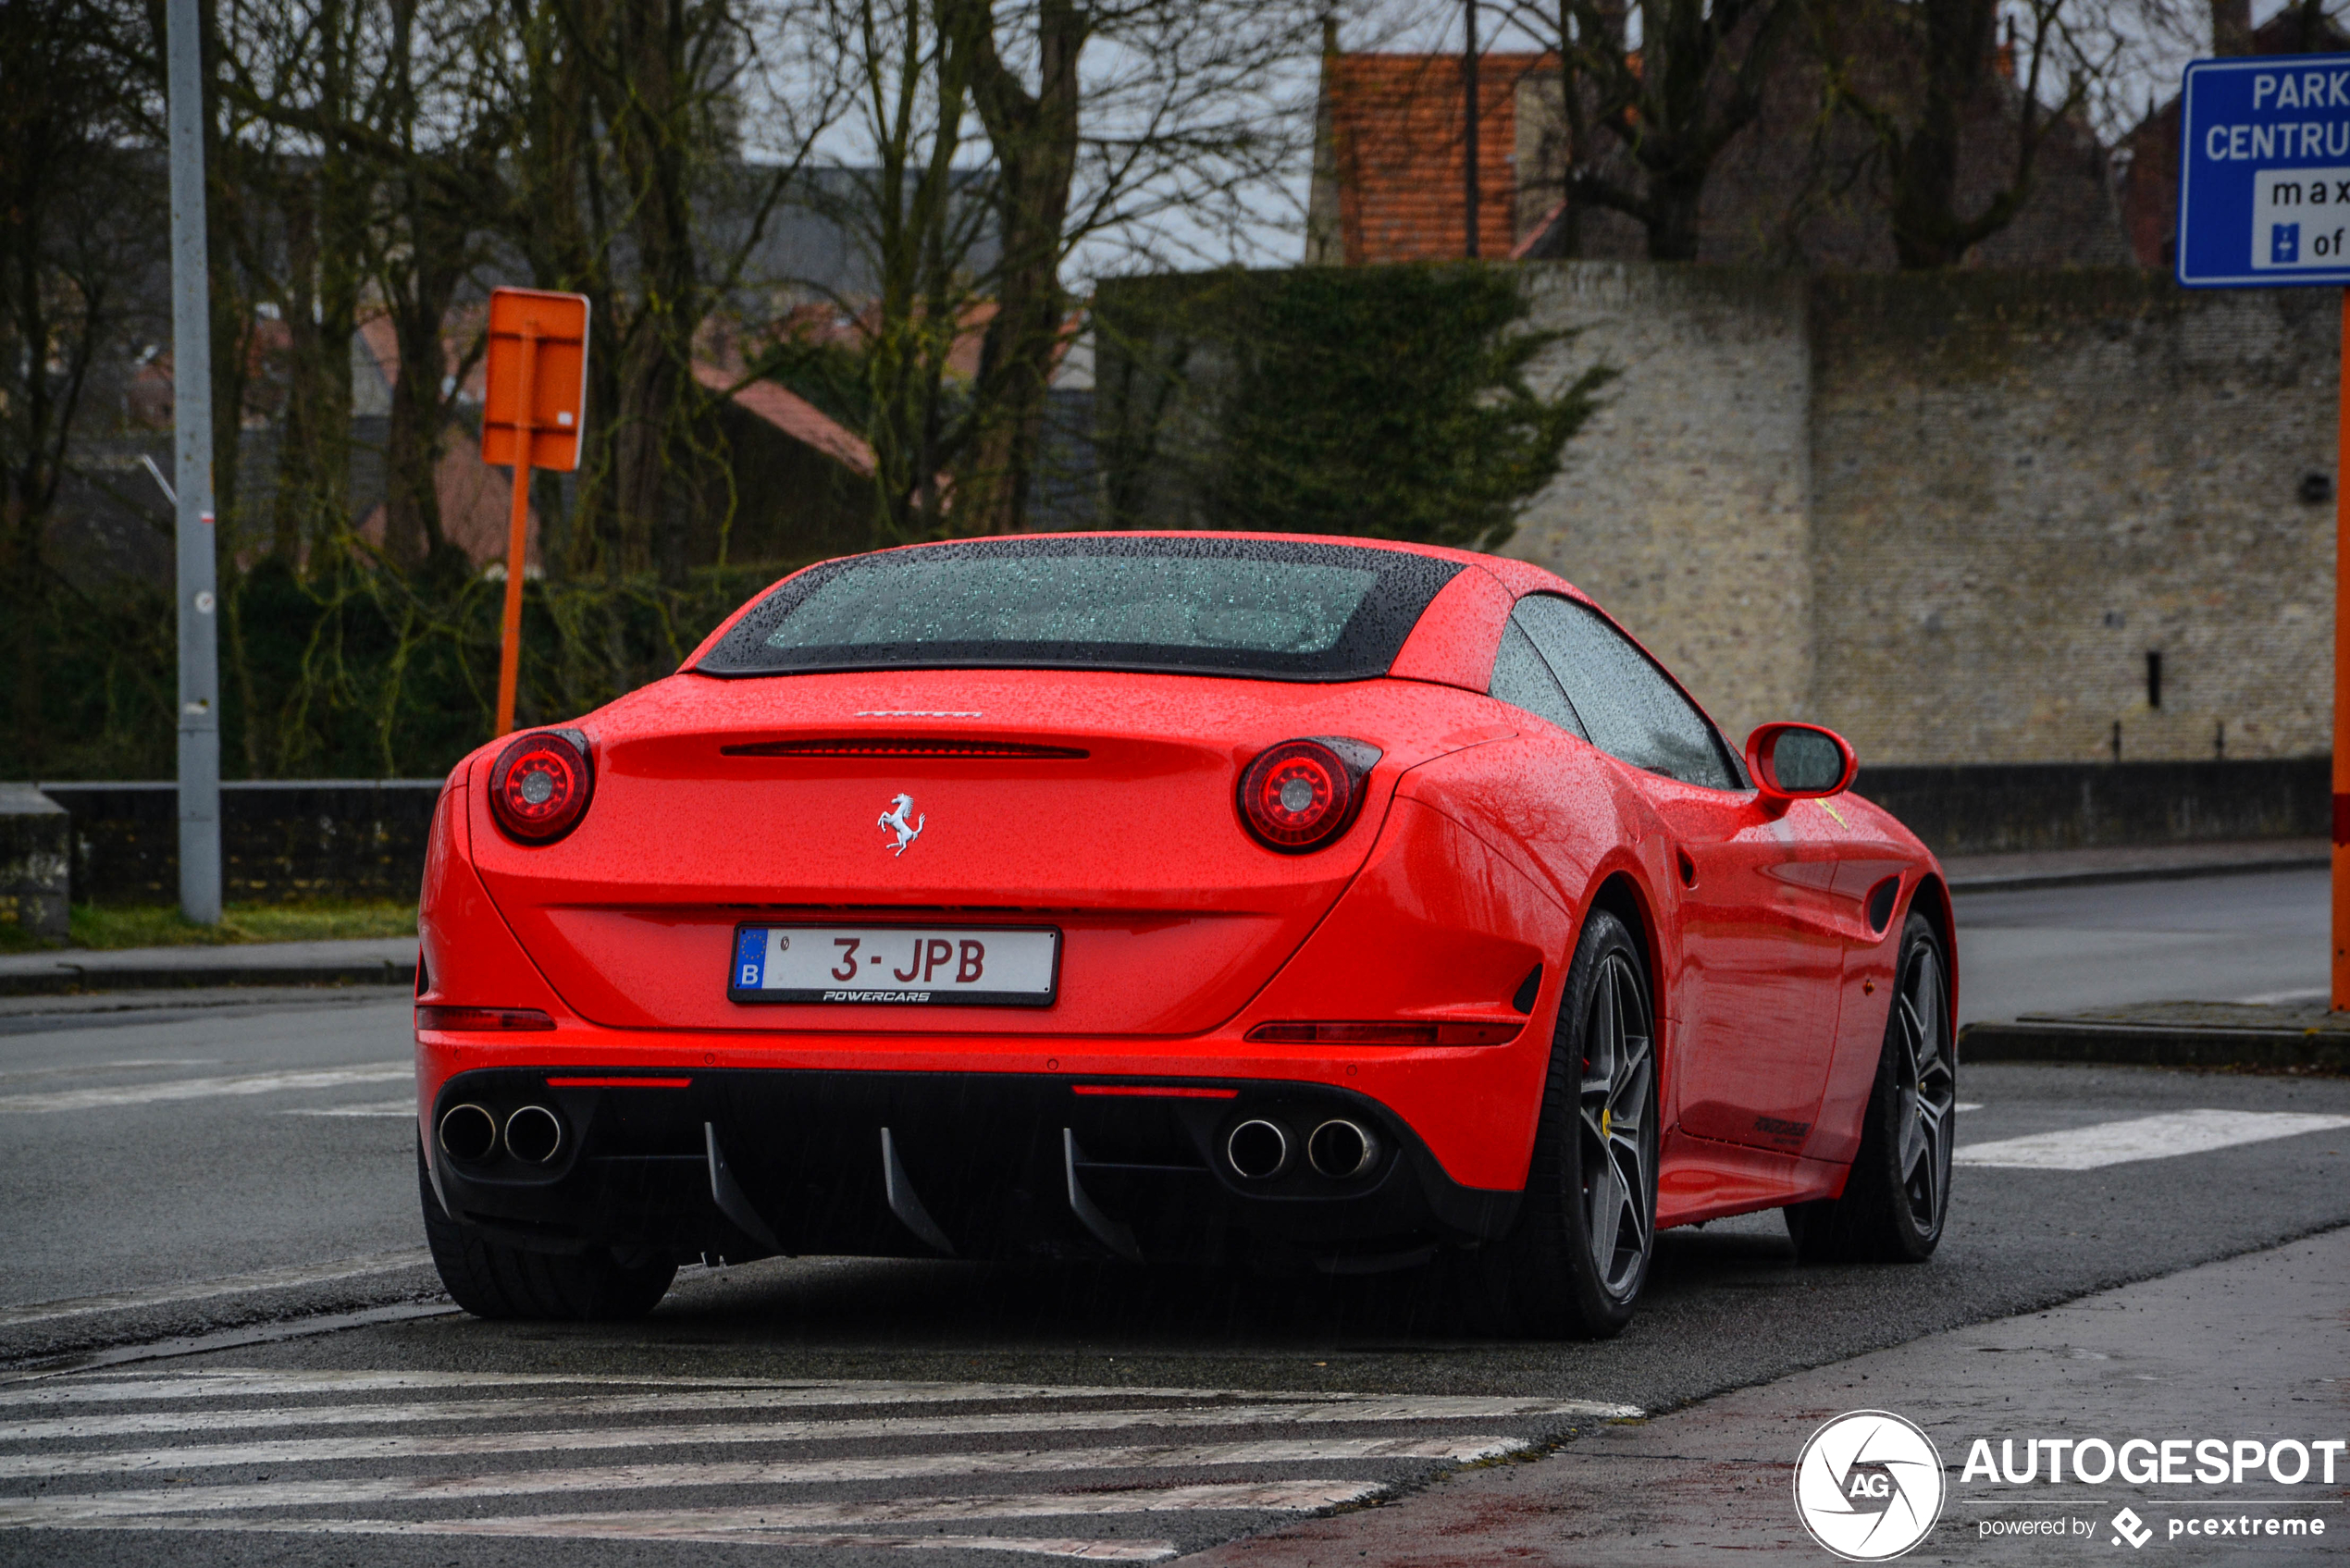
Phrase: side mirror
(1799, 763)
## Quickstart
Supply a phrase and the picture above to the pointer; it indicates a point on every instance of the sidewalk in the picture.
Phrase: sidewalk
(2256, 1346)
(389, 960)
(2065, 868)
(2172, 1034)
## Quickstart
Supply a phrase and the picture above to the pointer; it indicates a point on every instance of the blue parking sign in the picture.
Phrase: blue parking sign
(2263, 172)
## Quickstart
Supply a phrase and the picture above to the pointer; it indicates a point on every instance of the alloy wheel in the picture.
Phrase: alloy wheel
(1619, 1187)
(1928, 1087)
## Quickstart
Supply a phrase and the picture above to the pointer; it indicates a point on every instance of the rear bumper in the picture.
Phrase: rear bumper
(750, 1162)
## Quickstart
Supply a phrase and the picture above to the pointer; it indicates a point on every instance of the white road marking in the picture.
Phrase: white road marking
(55, 1388)
(2142, 1138)
(249, 1383)
(341, 1449)
(662, 1483)
(1967, 1106)
(206, 1088)
(623, 1526)
(376, 1109)
(575, 1407)
(110, 1066)
(2270, 998)
(52, 1510)
(202, 1289)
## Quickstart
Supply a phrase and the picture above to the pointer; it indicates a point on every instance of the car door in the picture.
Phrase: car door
(1757, 996)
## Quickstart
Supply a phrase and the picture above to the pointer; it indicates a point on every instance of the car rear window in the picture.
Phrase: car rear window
(1278, 610)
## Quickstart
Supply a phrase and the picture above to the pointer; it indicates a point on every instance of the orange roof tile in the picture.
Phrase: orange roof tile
(794, 416)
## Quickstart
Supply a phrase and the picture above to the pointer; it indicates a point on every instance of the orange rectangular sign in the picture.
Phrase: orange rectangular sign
(538, 349)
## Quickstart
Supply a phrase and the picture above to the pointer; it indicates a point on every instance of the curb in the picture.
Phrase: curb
(2134, 873)
(69, 979)
(2122, 1044)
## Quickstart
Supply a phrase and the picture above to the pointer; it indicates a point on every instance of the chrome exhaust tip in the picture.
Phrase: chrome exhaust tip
(1257, 1150)
(1342, 1149)
(534, 1134)
(468, 1133)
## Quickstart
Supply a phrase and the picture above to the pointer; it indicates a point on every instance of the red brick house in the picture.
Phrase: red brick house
(1390, 171)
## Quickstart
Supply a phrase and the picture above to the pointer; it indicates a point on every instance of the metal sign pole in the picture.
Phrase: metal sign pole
(191, 441)
(517, 534)
(2264, 203)
(534, 414)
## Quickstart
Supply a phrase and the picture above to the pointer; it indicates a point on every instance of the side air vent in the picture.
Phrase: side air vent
(1881, 899)
(1527, 990)
(881, 747)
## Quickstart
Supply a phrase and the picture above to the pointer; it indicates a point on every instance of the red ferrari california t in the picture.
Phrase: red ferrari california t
(1295, 903)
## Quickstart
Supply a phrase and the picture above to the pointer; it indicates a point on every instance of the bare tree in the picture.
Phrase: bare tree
(1652, 93)
(920, 216)
(1925, 77)
(1106, 121)
(631, 111)
(70, 259)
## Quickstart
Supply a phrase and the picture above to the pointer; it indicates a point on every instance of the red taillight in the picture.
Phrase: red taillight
(1302, 794)
(440, 1017)
(1385, 1033)
(538, 789)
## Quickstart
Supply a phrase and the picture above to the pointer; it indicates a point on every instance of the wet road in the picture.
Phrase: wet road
(839, 1411)
(2257, 937)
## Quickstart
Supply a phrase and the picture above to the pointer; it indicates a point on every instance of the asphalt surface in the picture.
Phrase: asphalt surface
(1712, 1479)
(2258, 937)
(117, 1198)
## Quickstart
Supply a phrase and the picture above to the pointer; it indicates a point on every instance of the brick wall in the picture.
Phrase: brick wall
(1683, 504)
(1951, 515)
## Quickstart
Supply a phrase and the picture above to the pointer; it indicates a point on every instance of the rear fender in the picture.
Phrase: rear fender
(469, 954)
(1566, 818)
(1438, 928)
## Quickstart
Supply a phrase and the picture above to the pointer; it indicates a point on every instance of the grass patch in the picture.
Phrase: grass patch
(149, 926)
(13, 938)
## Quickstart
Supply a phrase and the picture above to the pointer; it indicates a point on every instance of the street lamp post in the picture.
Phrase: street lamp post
(198, 601)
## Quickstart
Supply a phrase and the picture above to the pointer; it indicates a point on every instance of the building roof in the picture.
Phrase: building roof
(793, 415)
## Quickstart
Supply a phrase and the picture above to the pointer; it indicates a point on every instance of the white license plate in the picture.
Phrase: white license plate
(990, 966)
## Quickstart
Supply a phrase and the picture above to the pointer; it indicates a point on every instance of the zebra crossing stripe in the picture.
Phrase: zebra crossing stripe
(579, 1406)
(54, 1511)
(51, 1388)
(1291, 1496)
(2142, 1138)
(47, 1466)
(618, 1527)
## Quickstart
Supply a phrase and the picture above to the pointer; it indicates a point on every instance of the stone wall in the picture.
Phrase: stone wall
(1683, 506)
(1952, 515)
(2034, 806)
(32, 864)
(2025, 485)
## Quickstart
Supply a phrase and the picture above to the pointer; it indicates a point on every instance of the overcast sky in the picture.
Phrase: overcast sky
(2154, 34)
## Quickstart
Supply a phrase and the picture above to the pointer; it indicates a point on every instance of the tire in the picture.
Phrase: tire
(1575, 1263)
(1898, 1197)
(491, 1279)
